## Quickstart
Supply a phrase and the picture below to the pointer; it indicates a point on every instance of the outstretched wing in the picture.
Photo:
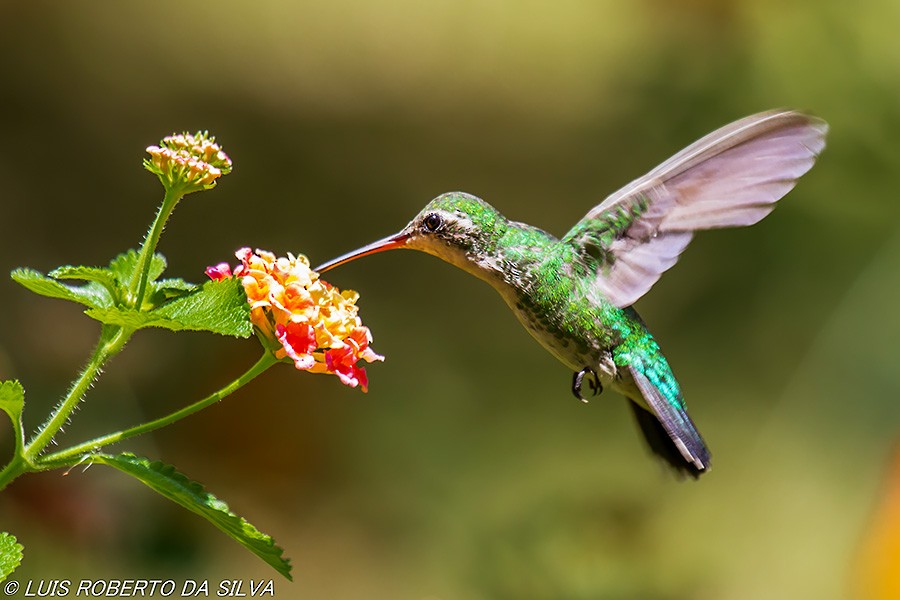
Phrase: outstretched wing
(730, 178)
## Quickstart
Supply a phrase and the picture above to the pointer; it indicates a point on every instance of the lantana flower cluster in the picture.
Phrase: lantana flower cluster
(302, 317)
(192, 160)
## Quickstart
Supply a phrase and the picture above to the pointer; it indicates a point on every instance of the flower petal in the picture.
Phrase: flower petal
(219, 272)
(306, 319)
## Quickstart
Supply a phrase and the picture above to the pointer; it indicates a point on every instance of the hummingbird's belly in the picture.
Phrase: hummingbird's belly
(575, 347)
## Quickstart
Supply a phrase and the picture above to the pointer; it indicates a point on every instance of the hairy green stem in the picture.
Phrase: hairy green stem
(74, 454)
(142, 271)
(16, 467)
(112, 340)
(18, 464)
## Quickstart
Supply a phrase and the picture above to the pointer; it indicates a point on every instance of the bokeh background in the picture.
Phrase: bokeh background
(468, 470)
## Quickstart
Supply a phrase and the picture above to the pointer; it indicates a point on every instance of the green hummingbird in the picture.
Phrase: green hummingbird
(574, 295)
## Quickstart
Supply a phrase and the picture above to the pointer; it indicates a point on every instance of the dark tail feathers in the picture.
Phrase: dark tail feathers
(662, 444)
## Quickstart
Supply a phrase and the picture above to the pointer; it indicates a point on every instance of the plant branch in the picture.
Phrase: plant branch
(74, 454)
(142, 270)
(112, 340)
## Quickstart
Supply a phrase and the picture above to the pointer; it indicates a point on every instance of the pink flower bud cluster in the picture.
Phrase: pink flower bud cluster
(192, 162)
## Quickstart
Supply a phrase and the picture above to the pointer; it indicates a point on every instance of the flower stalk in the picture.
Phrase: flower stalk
(73, 455)
(184, 163)
(112, 340)
(139, 283)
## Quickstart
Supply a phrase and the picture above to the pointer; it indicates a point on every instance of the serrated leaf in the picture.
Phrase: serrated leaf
(10, 554)
(104, 277)
(92, 294)
(217, 306)
(131, 318)
(98, 274)
(12, 399)
(168, 289)
(12, 402)
(124, 265)
(167, 481)
(128, 317)
(174, 285)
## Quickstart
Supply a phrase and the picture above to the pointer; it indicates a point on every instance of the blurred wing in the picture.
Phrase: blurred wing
(730, 178)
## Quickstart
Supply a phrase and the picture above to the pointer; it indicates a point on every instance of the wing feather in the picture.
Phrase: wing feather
(730, 178)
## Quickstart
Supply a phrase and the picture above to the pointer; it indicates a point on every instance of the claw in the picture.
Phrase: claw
(593, 383)
(577, 379)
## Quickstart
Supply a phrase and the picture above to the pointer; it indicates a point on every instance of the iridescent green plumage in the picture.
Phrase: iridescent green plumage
(574, 294)
(548, 284)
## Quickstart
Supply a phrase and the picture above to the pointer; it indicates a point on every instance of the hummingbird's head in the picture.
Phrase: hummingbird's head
(456, 227)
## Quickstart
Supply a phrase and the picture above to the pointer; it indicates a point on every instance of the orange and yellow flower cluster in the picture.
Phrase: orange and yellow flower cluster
(194, 161)
(302, 317)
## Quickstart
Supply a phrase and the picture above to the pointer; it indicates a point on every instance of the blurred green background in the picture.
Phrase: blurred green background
(468, 470)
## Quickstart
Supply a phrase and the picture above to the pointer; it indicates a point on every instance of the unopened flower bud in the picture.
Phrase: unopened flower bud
(188, 162)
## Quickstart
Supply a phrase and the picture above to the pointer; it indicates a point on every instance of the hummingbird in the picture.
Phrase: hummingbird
(574, 294)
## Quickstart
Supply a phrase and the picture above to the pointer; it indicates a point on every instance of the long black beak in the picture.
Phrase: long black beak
(398, 240)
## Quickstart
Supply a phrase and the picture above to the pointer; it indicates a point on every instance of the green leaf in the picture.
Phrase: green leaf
(105, 287)
(10, 554)
(92, 294)
(217, 306)
(12, 402)
(167, 289)
(128, 317)
(12, 399)
(174, 287)
(123, 267)
(105, 277)
(175, 486)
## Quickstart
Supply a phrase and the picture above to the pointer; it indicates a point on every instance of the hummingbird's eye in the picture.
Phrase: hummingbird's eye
(433, 222)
